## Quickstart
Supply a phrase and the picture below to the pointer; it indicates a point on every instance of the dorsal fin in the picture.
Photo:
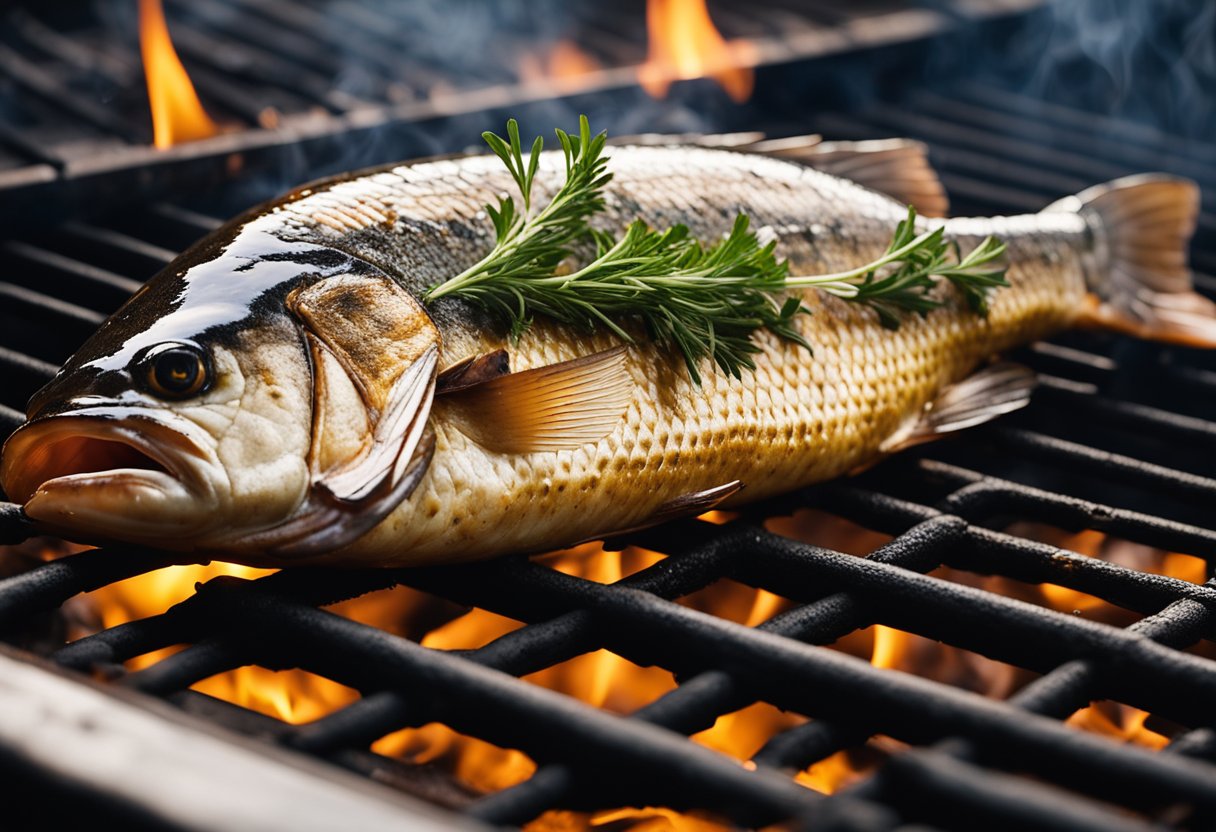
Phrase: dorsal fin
(898, 168)
(550, 408)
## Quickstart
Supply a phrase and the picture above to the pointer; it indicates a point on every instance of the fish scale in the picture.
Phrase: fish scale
(799, 418)
(314, 422)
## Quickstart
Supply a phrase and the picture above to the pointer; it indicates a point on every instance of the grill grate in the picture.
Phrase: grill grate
(308, 78)
(1115, 424)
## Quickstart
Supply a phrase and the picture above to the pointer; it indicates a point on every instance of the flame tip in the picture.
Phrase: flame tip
(685, 44)
(177, 114)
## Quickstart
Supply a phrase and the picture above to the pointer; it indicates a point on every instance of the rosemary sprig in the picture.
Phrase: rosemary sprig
(532, 242)
(908, 270)
(705, 300)
(970, 276)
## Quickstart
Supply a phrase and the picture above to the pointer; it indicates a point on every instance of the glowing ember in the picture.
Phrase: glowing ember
(832, 774)
(684, 43)
(177, 114)
(1120, 722)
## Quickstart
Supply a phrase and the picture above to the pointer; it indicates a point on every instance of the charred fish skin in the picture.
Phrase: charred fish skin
(299, 408)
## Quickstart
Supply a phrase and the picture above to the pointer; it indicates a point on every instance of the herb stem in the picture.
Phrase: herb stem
(704, 299)
(845, 278)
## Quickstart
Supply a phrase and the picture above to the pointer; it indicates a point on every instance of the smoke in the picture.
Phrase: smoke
(1151, 62)
(1154, 62)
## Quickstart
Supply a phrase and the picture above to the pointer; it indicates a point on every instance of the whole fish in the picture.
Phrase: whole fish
(281, 394)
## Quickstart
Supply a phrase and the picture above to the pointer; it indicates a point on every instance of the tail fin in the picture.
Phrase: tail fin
(1139, 275)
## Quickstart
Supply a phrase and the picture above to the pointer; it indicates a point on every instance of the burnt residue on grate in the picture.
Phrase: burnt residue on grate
(1118, 442)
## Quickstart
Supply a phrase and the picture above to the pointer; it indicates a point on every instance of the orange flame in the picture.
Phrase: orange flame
(177, 114)
(684, 43)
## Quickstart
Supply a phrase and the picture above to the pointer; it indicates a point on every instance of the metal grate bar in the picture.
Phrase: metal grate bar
(697, 703)
(939, 787)
(50, 91)
(490, 704)
(1147, 475)
(102, 289)
(1147, 423)
(1087, 122)
(51, 310)
(1048, 132)
(818, 681)
(762, 657)
(241, 62)
(562, 579)
(50, 585)
(980, 497)
(549, 643)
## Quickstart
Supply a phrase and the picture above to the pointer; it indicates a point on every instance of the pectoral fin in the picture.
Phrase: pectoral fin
(476, 369)
(551, 408)
(979, 398)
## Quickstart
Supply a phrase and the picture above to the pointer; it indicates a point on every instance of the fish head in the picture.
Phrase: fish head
(228, 409)
(156, 435)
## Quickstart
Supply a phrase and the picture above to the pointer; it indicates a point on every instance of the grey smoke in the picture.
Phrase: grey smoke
(1152, 61)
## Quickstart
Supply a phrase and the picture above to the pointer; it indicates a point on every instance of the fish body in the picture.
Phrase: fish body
(308, 314)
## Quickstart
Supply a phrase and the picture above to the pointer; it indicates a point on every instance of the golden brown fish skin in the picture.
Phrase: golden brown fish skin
(798, 419)
(254, 480)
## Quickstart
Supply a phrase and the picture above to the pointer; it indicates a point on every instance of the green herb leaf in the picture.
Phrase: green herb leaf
(970, 276)
(899, 282)
(704, 300)
(532, 242)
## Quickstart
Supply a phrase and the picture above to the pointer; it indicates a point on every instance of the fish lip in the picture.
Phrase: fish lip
(154, 434)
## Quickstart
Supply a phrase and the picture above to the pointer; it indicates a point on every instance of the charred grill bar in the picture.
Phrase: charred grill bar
(1114, 425)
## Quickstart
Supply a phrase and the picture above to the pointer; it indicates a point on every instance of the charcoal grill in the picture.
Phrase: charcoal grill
(1119, 440)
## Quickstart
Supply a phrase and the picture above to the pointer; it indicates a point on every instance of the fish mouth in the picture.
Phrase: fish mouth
(112, 473)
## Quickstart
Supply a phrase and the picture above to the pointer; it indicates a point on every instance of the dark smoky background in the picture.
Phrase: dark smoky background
(1153, 63)
(445, 70)
(1150, 62)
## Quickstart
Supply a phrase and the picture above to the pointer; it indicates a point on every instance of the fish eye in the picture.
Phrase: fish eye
(175, 370)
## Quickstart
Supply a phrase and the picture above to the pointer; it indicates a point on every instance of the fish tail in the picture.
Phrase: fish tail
(1137, 270)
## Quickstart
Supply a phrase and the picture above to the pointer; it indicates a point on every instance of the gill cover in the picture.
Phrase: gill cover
(374, 352)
